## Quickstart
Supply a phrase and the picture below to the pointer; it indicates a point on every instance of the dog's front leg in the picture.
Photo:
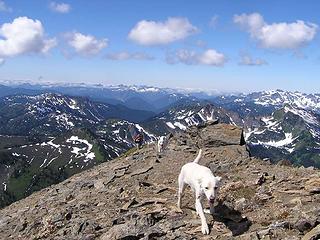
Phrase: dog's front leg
(204, 225)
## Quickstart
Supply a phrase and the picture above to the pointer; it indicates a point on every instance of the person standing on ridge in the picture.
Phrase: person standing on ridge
(137, 136)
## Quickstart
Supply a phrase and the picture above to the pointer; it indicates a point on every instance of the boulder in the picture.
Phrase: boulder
(221, 135)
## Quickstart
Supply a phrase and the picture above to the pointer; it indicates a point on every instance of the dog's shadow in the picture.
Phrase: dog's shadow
(232, 218)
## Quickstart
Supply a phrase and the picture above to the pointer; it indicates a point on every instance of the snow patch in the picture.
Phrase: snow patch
(52, 144)
(170, 125)
(278, 144)
(180, 125)
(4, 186)
(73, 104)
(88, 154)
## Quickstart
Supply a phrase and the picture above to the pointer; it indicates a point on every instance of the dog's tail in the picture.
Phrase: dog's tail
(198, 157)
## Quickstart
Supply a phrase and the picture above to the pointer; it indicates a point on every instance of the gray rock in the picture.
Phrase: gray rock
(220, 135)
(304, 225)
(314, 234)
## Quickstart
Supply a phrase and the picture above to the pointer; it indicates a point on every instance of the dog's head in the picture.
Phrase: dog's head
(161, 143)
(161, 140)
(210, 188)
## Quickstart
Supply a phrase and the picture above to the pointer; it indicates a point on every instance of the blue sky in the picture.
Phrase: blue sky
(224, 45)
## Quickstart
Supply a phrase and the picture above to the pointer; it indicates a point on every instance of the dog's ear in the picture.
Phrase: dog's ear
(218, 179)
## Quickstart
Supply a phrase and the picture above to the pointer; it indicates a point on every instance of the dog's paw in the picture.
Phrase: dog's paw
(207, 211)
(205, 229)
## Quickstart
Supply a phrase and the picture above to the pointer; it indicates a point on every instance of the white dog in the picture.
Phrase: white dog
(161, 142)
(203, 183)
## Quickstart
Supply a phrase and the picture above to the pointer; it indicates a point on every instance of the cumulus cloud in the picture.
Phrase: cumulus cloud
(23, 36)
(86, 45)
(277, 35)
(158, 33)
(247, 60)
(209, 57)
(4, 7)
(212, 57)
(129, 56)
(60, 7)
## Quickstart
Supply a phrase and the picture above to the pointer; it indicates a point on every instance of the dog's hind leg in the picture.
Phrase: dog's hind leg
(181, 189)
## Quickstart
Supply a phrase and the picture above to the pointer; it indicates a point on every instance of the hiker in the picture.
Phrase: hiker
(137, 136)
(138, 139)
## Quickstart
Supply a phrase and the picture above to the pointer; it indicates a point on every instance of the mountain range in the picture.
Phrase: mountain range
(50, 132)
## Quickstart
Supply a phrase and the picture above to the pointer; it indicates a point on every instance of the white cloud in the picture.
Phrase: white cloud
(129, 56)
(60, 7)
(23, 36)
(247, 60)
(212, 57)
(157, 33)
(277, 35)
(214, 21)
(209, 57)
(4, 7)
(183, 56)
(86, 45)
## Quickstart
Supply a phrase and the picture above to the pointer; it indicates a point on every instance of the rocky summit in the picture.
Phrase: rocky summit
(135, 196)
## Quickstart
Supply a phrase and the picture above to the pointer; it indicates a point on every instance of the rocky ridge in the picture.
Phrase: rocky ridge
(134, 196)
